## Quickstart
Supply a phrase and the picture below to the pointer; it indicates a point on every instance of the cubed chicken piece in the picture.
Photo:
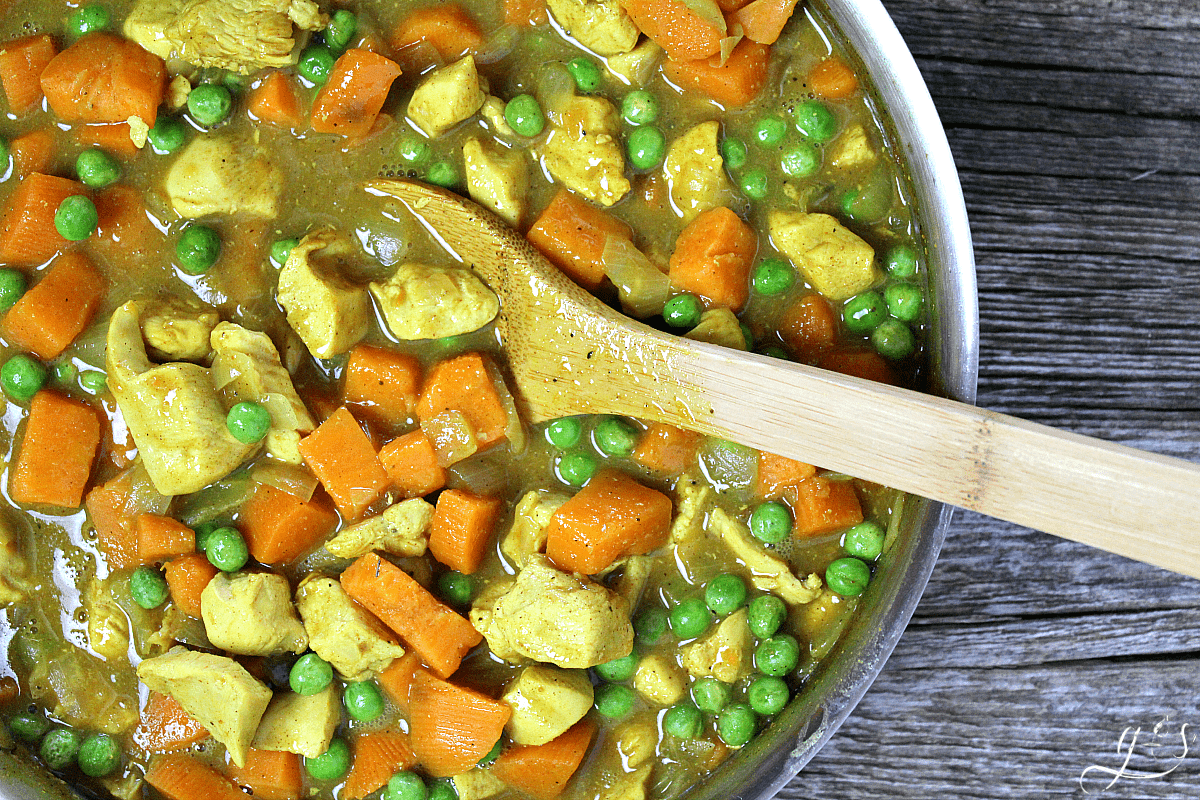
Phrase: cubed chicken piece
(251, 614)
(583, 151)
(139, 131)
(107, 626)
(545, 702)
(402, 530)
(485, 620)
(477, 784)
(238, 35)
(660, 680)
(492, 112)
(300, 724)
(531, 520)
(328, 314)
(726, 654)
(719, 326)
(342, 632)
(636, 67)
(769, 572)
(177, 92)
(173, 412)
(693, 501)
(446, 97)
(497, 178)
(213, 175)
(636, 741)
(833, 259)
(423, 302)
(695, 172)
(601, 26)
(852, 150)
(561, 618)
(14, 568)
(216, 690)
(175, 330)
(249, 361)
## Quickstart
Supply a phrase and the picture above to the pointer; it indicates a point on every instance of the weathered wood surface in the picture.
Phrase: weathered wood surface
(1076, 128)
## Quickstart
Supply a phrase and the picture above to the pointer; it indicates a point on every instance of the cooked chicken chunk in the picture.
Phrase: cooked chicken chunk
(660, 680)
(402, 530)
(239, 35)
(560, 618)
(693, 501)
(213, 175)
(485, 620)
(852, 150)
(249, 360)
(172, 410)
(492, 112)
(583, 151)
(446, 97)
(833, 259)
(545, 702)
(497, 178)
(328, 314)
(13, 566)
(251, 614)
(637, 66)
(531, 520)
(719, 326)
(695, 171)
(601, 26)
(176, 331)
(300, 724)
(725, 654)
(477, 784)
(769, 572)
(423, 302)
(107, 626)
(216, 690)
(342, 632)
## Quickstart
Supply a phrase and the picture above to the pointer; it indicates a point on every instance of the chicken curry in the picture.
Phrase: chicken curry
(272, 523)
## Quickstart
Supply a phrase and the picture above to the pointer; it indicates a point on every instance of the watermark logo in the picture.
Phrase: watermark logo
(1165, 752)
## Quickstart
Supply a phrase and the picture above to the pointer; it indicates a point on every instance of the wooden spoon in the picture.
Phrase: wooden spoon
(571, 354)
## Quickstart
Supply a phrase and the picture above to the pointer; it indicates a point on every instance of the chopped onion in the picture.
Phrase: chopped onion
(452, 435)
(709, 11)
(643, 287)
(498, 45)
(485, 473)
(291, 478)
(728, 465)
(219, 500)
(730, 42)
(514, 431)
(143, 497)
(283, 413)
(555, 88)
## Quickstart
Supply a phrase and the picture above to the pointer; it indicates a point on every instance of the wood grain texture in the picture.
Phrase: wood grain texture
(1076, 128)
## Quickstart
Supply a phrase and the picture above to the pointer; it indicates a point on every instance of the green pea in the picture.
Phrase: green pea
(88, 19)
(60, 748)
(619, 669)
(800, 160)
(778, 655)
(248, 422)
(235, 83)
(892, 339)
(209, 104)
(863, 313)
(773, 276)
(12, 287)
(585, 72)
(492, 754)
(413, 149)
(815, 121)
(615, 437)
(565, 432)
(774, 351)
(650, 625)
(22, 377)
(725, 594)
(197, 249)
(683, 721)
(93, 382)
(766, 615)
(342, 27)
(99, 755)
(444, 174)
(769, 131)
(281, 249)
(310, 674)
(864, 540)
(848, 577)
(755, 183)
(65, 372)
(442, 790)
(97, 168)
(167, 135)
(646, 147)
(683, 311)
(734, 152)
(332, 764)
(736, 724)
(315, 64)
(456, 588)
(690, 618)
(614, 700)
(904, 301)
(406, 785)
(771, 522)
(226, 549)
(76, 218)
(710, 694)
(204, 532)
(29, 728)
(363, 701)
(148, 587)
(524, 115)
(870, 201)
(576, 468)
(639, 108)
(901, 261)
(768, 695)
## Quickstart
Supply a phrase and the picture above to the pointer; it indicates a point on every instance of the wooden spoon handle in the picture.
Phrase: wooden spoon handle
(1136, 504)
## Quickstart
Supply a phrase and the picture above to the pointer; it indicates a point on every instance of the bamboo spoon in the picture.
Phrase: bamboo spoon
(571, 354)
